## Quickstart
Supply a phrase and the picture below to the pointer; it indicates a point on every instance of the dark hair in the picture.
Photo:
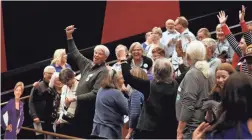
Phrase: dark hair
(65, 75)
(236, 106)
(159, 50)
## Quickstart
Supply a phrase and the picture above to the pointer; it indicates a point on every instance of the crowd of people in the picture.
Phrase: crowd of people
(172, 86)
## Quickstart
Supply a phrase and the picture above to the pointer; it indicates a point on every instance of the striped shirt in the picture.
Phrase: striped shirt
(235, 45)
(135, 105)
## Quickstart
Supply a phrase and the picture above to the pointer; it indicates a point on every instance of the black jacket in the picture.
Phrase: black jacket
(147, 62)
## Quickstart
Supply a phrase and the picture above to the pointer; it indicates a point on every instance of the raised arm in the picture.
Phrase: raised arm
(230, 37)
(246, 33)
(81, 61)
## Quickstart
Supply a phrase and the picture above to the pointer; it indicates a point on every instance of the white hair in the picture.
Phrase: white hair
(53, 78)
(103, 48)
(133, 45)
(163, 70)
(118, 47)
(48, 68)
(197, 53)
(209, 42)
(57, 56)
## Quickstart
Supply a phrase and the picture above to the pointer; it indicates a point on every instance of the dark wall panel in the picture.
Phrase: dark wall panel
(33, 30)
(204, 13)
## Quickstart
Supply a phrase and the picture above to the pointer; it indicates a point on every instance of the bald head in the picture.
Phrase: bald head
(170, 25)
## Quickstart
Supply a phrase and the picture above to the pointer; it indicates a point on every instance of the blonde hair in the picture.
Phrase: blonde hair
(133, 45)
(57, 56)
(197, 53)
(21, 84)
(157, 30)
(205, 31)
(209, 42)
(139, 73)
(120, 46)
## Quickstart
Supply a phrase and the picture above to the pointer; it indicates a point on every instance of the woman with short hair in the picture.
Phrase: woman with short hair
(110, 107)
(137, 59)
(157, 119)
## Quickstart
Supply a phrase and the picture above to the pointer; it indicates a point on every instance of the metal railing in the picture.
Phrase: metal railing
(50, 133)
(23, 98)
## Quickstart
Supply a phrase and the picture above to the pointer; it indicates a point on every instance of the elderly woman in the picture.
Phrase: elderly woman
(157, 119)
(156, 37)
(137, 59)
(193, 89)
(117, 65)
(60, 60)
(110, 107)
(15, 114)
(235, 121)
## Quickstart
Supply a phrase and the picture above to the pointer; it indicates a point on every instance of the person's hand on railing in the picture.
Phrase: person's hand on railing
(9, 128)
(36, 120)
(17, 131)
(69, 31)
(222, 17)
(242, 14)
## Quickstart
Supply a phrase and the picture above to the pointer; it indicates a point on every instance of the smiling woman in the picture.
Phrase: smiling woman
(137, 59)
(12, 116)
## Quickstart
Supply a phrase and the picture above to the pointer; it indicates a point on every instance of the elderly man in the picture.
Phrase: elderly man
(37, 104)
(92, 73)
(169, 38)
(213, 61)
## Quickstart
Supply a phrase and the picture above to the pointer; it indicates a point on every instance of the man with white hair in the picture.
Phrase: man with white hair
(37, 104)
(92, 74)
(169, 38)
(213, 61)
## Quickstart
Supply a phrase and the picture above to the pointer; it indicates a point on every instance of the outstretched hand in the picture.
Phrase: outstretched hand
(242, 14)
(222, 17)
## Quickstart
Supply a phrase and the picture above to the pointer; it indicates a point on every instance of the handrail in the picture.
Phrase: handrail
(30, 85)
(50, 133)
(232, 27)
(88, 48)
(23, 98)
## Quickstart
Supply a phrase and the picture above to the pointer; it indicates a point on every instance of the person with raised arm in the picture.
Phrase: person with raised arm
(92, 74)
(246, 58)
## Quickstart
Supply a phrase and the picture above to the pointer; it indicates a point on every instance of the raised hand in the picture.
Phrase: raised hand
(222, 17)
(69, 31)
(242, 14)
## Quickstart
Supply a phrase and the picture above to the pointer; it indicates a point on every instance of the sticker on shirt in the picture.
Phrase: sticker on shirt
(178, 97)
(89, 76)
(145, 65)
(179, 89)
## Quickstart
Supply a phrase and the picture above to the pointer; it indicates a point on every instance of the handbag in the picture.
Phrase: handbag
(69, 117)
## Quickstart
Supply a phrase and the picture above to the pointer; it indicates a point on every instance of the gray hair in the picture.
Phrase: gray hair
(53, 78)
(47, 68)
(120, 46)
(133, 45)
(103, 48)
(163, 70)
(209, 42)
(197, 53)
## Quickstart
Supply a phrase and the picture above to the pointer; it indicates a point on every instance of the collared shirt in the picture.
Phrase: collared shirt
(224, 46)
(146, 48)
(166, 37)
(184, 37)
